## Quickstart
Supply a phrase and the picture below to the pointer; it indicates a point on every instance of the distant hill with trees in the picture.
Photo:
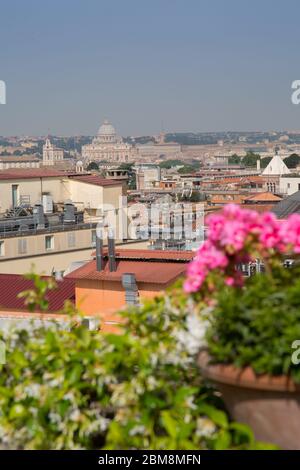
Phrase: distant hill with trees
(292, 161)
(248, 160)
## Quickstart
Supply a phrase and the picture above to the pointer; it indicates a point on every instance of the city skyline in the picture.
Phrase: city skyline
(196, 67)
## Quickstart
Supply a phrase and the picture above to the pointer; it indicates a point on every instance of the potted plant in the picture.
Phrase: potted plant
(254, 322)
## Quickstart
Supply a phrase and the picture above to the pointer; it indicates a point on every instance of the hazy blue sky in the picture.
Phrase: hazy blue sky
(195, 65)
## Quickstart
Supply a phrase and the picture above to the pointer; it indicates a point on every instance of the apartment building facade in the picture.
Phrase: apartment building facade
(84, 190)
(47, 251)
(55, 243)
(52, 251)
(289, 184)
(9, 162)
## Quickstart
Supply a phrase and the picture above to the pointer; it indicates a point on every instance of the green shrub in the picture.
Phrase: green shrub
(73, 388)
(256, 325)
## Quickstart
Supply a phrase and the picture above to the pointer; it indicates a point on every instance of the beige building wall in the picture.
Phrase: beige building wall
(112, 153)
(112, 194)
(84, 195)
(58, 258)
(44, 264)
(99, 201)
(88, 195)
(289, 185)
(32, 187)
(19, 253)
(171, 150)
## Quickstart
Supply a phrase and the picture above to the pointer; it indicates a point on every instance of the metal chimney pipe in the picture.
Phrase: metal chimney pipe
(131, 289)
(111, 252)
(38, 215)
(99, 253)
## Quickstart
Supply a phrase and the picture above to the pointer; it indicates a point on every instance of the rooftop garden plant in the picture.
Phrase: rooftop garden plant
(71, 388)
(253, 322)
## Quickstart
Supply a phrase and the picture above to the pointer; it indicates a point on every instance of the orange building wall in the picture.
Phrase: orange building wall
(105, 298)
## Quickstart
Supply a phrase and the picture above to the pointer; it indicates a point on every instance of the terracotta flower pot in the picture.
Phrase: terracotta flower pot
(269, 405)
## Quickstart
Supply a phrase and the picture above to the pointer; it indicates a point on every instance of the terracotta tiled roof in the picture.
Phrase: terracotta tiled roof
(227, 180)
(95, 180)
(30, 173)
(256, 207)
(267, 196)
(161, 255)
(238, 180)
(154, 272)
(12, 284)
(157, 267)
(19, 173)
(258, 179)
(224, 200)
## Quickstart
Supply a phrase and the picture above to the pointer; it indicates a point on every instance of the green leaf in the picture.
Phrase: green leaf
(223, 440)
(217, 416)
(75, 373)
(243, 431)
(17, 411)
(169, 424)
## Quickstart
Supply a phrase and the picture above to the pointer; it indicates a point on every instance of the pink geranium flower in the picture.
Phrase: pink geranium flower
(237, 235)
(290, 232)
(269, 233)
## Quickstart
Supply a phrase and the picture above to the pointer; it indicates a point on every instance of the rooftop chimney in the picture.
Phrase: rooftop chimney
(99, 252)
(111, 252)
(69, 212)
(38, 215)
(258, 164)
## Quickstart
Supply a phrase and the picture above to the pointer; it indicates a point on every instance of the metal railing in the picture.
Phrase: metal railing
(24, 200)
(24, 230)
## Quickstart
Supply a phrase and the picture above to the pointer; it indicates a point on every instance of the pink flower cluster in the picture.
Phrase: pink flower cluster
(237, 235)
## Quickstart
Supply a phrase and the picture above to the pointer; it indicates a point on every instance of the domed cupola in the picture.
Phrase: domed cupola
(107, 133)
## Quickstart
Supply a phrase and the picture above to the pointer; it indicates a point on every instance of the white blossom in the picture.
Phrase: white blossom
(205, 427)
(193, 338)
(33, 390)
(139, 429)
